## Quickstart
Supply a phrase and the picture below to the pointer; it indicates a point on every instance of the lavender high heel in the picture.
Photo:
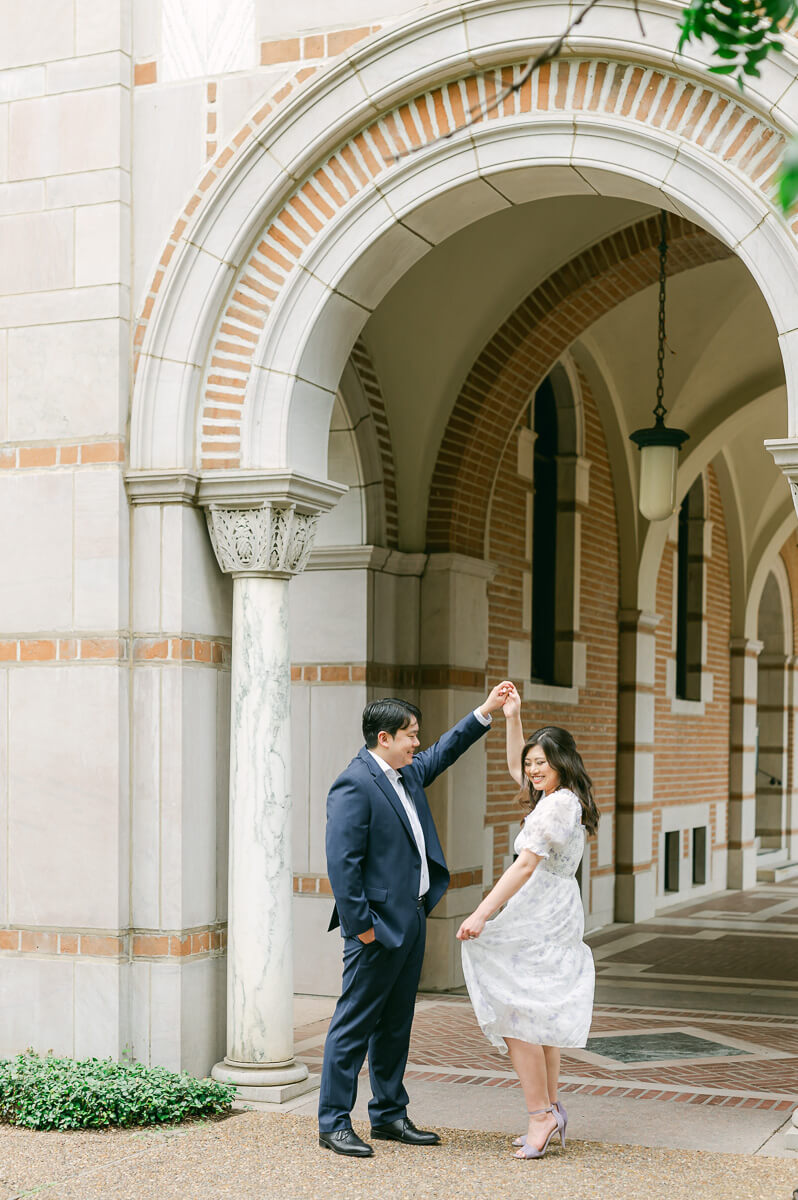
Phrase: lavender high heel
(521, 1141)
(530, 1151)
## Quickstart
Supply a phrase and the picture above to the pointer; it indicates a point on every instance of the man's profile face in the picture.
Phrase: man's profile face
(398, 751)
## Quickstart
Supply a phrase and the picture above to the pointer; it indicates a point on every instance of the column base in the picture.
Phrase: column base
(742, 868)
(266, 1087)
(635, 896)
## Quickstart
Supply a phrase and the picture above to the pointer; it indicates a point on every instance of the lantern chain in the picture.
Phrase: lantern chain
(659, 410)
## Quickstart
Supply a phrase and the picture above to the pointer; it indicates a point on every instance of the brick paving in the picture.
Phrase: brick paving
(447, 1045)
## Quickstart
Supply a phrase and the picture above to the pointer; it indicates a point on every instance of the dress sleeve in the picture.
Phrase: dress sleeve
(550, 824)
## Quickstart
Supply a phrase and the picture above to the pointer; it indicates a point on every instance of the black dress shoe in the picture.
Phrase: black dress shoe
(345, 1141)
(403, 1130)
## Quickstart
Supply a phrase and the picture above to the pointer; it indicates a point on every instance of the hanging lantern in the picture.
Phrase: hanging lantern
(659, 445)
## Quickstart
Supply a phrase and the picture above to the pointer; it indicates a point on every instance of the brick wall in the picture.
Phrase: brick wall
(691, 753)
(593, 721)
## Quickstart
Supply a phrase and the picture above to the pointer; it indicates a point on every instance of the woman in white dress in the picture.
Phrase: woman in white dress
(529, 974)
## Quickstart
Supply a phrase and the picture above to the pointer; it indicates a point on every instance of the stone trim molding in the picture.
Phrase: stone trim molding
(162, 487)
(130, 944)
(62, 454)
(522, 352)
(690, 113)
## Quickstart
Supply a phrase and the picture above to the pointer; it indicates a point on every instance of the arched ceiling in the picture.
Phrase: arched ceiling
(431, 326)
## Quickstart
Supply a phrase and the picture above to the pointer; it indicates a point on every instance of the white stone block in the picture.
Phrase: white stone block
(197, 866)
(97, 70)
(102, 245)
(207, 593)
(238, 96)
(444, 215)
(101, 550)
(523, 183)
(300, 775)
(36, 1002)
(3, 794)
(36, 552)
(212, 39)
(36, 252)
(223, 712)
(138, 1029)
(145, 798)
(3, 385)
(23, 197)
(82, 365)
(279, 20)
(100, 1008)
(336, 737)
(146, 29)
(341, 636)
(67, 810)
(88, 187)
(203, 1010)
(81, 304)
(318, 955)
(146, 567)
(103, 25)
(3, 141)
(77, 131)
(165, 1015)
(35, 32)
(23, 82)
(168, 155)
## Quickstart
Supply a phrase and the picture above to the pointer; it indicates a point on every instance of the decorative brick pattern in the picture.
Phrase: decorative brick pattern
(650, 98)
(388, 675)
(319, 885)
(126, 944)
(522, 352)
(102, 648)
(112, 648)
(324, 44)
(361, 361)
(211, 119)
(35, 457)
(212, 652)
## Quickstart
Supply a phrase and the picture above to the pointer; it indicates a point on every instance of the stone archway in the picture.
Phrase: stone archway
(325, 198)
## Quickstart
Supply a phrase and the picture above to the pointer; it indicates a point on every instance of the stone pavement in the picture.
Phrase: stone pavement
(694, 1043)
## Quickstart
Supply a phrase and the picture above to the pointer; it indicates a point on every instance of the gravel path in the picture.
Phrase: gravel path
(254, 1156)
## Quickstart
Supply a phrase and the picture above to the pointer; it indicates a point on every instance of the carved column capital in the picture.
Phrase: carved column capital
(264, 523)
(271, 539)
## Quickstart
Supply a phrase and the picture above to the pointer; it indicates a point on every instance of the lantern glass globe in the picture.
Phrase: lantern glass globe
(658, 481)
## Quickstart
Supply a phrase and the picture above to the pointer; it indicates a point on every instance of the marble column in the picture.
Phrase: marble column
(262, 529)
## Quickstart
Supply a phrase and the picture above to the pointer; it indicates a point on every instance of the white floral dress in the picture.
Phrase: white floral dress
(529, 974)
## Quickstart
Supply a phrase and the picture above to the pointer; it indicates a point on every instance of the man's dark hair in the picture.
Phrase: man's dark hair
(389, 715)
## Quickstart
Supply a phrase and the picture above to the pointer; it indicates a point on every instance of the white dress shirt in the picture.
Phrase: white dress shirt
(408, 805)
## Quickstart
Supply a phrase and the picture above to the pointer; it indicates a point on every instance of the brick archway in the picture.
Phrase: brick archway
(521, 353)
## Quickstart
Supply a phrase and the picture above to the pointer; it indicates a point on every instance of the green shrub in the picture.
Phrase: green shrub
(64, 1093)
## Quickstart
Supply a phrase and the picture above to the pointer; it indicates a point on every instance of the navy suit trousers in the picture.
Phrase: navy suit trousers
(374, 1015)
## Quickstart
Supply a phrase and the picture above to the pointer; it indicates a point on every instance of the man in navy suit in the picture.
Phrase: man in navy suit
(387, 871)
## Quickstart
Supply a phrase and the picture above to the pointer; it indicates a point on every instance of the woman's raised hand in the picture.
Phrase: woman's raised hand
(512, 701)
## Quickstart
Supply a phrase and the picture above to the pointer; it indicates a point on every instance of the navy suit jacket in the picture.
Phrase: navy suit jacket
(372, 858)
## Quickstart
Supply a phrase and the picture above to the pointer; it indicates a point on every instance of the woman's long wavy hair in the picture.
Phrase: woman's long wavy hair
(561, 753)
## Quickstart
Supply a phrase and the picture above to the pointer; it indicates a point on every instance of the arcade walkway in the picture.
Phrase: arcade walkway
(694, 1041)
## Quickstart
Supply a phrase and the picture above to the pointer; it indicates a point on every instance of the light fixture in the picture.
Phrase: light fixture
(659, 445)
